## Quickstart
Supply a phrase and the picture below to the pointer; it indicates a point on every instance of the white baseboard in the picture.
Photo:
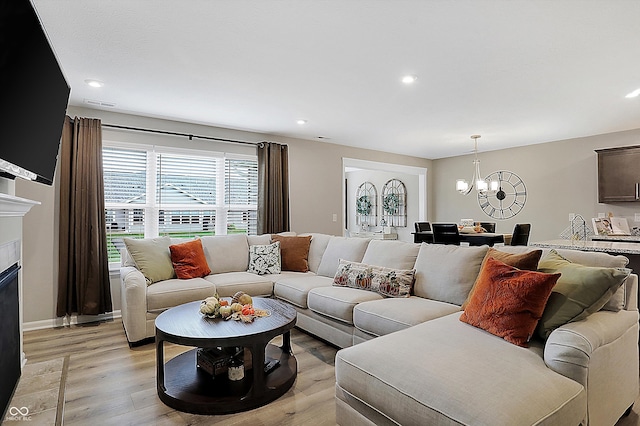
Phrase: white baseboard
(69, 320)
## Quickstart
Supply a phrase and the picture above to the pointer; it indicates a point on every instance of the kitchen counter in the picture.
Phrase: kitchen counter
(630, 250)
(622, 238)
(617, 247)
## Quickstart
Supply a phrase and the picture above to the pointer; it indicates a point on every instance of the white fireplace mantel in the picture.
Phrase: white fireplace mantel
(12, 211)
(12, 206)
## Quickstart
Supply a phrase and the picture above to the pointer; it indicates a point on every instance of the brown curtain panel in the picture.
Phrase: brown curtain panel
(83, 281)
(273, 188)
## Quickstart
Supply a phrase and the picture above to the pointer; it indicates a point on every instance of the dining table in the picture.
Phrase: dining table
(473, 239)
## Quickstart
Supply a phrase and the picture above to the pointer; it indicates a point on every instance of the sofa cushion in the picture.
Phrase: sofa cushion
(294, 252)
(226, 253)
(296, 289)
(341, 248)
(264, 259)
(152, 257)
(317, 247)
(587, 258)
(527, 260)
(606, 260)
(259, 240)
(380, 317)
(188, 260)
(391, 254)
(424, 375)
(386, 281)
(169, 293)
(229, 283)
(446, 272)
(508, 302)
(338, 302)
(581, 291)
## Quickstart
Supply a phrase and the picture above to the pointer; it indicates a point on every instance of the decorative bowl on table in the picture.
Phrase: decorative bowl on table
(239, 308)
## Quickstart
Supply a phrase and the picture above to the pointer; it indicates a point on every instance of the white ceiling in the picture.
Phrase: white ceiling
(517, 72)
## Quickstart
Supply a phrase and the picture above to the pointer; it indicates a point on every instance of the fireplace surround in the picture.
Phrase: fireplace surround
(12, 211)
(10, 351)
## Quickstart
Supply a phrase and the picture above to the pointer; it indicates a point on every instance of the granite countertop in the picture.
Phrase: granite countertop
(623, 238)
(601, 246)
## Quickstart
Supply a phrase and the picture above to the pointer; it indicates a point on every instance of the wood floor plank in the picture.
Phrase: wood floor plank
(109, 383)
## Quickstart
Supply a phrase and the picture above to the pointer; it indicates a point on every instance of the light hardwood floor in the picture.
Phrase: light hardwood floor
(110, 384)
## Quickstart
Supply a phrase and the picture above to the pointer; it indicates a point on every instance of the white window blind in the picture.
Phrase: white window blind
(150, 192)
(184, 180)
(125, 176)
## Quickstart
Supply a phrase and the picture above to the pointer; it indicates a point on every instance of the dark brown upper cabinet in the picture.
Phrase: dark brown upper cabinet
(619, 174)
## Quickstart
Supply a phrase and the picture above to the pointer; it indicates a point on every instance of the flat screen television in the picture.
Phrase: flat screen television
(34, 95)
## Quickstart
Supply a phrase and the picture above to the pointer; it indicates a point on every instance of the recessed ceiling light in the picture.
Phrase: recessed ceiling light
(94, 83)
(301, 122)
(408, 79)
(633, 94)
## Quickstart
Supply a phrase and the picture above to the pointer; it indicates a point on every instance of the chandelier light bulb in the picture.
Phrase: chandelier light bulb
(462, 186)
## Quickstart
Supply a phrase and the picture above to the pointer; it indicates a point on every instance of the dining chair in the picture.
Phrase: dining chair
(420, 236)
(488, 226)
(446, 233)
(422, 226)
(520, 236)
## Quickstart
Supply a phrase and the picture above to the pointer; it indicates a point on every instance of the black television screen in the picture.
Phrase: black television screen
(34, 95)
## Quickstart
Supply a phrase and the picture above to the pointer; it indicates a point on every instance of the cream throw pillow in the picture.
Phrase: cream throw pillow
(152, 257)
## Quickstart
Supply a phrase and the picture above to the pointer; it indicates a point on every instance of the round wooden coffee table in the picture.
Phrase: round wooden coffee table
(185, 387)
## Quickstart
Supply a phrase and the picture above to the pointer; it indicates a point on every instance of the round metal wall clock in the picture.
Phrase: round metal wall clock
(508, 200)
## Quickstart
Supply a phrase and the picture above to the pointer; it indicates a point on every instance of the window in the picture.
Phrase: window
(153, 191)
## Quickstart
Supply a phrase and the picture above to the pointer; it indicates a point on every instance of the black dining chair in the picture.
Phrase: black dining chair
(520, 236)
(422, 226)
(488, 226)
(419, 236)
(445, 233)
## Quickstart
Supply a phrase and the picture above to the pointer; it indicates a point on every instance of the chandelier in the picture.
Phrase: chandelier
(477, 182)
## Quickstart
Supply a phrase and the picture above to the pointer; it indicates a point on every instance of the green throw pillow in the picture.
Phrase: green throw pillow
(152, 257)
(580, 291)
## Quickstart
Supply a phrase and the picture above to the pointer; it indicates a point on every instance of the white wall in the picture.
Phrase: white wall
(561, 178)
(379, 178)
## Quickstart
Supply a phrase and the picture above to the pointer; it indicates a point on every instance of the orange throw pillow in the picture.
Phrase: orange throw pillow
(508, 302)
(188, 260)
(294, 252)
(527, 260)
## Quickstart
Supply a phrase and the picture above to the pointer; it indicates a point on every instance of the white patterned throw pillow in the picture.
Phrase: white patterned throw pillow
(388, 282)
(264, 259)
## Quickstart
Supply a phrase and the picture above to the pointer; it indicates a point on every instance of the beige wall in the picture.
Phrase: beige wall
(561, 178)
(315, 194)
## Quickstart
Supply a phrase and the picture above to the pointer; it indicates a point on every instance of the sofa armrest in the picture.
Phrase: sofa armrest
(133, 295)
(631, 290)
(601, 353)
(570, 348)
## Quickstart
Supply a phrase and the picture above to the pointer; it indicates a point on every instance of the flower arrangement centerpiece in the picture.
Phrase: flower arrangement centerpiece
(240, 308)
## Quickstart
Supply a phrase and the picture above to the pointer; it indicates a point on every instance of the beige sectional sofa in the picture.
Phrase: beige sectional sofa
(411, 360)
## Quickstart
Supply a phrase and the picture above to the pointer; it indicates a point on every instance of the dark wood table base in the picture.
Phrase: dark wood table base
(188, 388)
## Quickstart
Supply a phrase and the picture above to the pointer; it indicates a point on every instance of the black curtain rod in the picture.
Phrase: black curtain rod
(190, 136)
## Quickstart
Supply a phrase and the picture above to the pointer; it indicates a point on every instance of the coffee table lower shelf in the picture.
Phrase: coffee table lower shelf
(187, 388)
